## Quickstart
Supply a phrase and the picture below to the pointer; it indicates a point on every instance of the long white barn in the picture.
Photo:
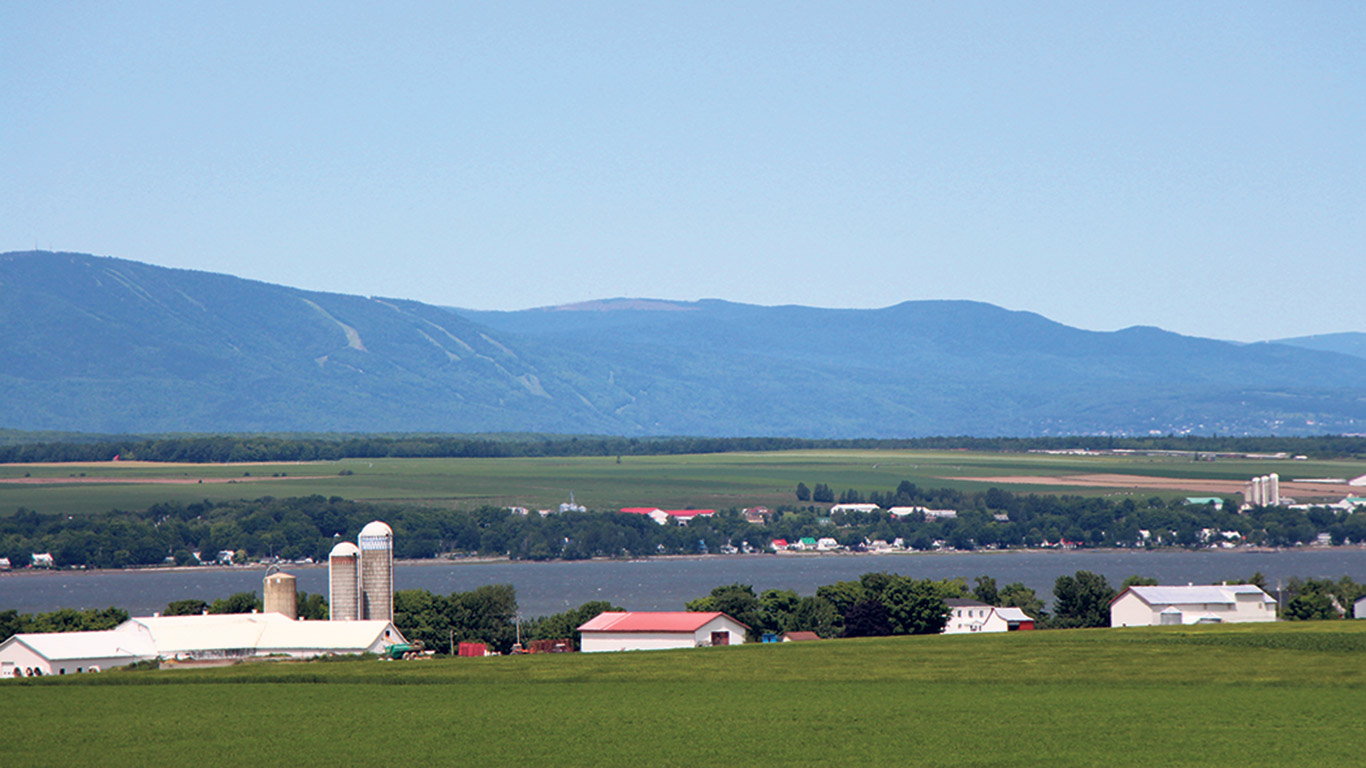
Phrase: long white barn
(212, 637)
(647, 630)
(1153, 606)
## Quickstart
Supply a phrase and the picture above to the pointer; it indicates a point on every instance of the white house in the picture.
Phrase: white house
(967, 616)
(191, 638)
(655, 630)
(1196, 604)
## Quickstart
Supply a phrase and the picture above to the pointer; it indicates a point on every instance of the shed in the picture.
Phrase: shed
(1202, 604)
(68, 653)
(655, 630)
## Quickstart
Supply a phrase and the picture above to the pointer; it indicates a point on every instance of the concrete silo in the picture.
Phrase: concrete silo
(377, 572)
(281, 595)
(343, 582)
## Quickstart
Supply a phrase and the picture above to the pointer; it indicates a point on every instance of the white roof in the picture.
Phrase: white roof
(261, 632)
(344, 549)
(74, 646)
(1197, 594)
(1013, 614)
(376, 528)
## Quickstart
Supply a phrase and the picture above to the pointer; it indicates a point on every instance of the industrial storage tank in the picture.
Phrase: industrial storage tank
(281, 595)
(377, 572)
(343, 581)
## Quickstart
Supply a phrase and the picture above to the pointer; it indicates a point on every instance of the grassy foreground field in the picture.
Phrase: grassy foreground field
(1269, 695)
(707, 480)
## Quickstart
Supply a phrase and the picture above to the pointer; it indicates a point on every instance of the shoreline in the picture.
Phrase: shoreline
(484, 560)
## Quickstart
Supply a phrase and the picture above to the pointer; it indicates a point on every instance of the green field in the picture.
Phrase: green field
(1249, 695)
(709, 480)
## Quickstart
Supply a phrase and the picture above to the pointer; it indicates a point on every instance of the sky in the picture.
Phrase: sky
(1200, 167)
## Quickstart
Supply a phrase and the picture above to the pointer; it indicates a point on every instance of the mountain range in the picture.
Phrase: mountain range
(99, 344)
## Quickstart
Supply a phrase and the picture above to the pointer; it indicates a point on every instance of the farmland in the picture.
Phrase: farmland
(707, 480)
(1246, 695)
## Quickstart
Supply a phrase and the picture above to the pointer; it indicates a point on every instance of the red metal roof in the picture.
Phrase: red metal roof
(651, 621)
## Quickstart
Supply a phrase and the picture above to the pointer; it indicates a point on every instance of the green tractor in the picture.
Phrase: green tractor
(398, 651)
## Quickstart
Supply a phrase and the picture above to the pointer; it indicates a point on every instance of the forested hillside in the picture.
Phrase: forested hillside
(97, 344)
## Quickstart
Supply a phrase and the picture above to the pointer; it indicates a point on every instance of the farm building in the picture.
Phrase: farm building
(685, 516)
(654, 513)
(799, 636)
(240, 635)
(191, 638)
(855, 508)
(1195, 604)
(69, 653)
(655, 630)
(1359, 608)
(973, 616)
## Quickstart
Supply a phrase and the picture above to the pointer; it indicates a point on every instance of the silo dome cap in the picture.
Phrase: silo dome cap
(376, 528)
(345, 549)
(280, 576)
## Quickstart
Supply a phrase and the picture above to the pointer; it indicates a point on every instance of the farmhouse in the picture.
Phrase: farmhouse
(645, 630)
(967, 616)
(1151, 606)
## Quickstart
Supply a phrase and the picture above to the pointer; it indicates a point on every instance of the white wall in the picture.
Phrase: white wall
(17, 656)
(1131, 611)
(592, 642)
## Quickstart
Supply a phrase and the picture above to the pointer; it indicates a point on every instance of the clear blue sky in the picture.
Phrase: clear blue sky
(1195, 166)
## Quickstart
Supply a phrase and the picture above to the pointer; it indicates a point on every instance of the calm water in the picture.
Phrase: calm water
(545, 588)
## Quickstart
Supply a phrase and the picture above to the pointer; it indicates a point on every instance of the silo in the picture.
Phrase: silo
(343, 582)
(1274, 492)
(377, 572)
(281, 595)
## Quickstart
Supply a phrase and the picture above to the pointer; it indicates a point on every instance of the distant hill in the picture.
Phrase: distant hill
(97, 344)
(1351, 343)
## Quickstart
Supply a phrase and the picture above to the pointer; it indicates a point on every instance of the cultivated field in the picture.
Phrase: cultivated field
(1249, 695)
(708, 480)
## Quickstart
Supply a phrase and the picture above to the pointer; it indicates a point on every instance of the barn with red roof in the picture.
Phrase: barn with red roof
(656, 630)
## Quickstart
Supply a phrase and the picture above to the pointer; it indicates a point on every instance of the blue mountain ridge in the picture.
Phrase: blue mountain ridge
(110, 345)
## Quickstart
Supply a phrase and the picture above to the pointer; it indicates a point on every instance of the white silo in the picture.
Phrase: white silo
(281, 595)
(343, 582)
(1273, 494)
(377, 572)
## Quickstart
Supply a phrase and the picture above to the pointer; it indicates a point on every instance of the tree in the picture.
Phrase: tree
(1082, 600)
(241, 602)
(986, 591)
(566, 624)
(737, 601)
(1017, 595)
(803, 493)
(191, 607)
(867, 618)
(1311, 606)
(1138, 581)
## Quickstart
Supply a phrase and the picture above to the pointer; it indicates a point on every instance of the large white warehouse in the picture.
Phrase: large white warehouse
(1153, 606)
(643, 630)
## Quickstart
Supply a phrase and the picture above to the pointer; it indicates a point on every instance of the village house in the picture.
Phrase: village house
(657, 630)
(1193, 604)
(967, 616)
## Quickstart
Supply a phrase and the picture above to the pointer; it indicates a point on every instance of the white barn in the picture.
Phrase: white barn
(656, 630)
(69, 653)
(213, 637)
(1197, 604)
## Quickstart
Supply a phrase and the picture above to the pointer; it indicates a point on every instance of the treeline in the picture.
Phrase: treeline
(239, 448)
(308, 527)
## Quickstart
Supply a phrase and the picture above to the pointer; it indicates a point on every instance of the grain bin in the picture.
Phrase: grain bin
(377, 572)
(343, 577)
(281, 595)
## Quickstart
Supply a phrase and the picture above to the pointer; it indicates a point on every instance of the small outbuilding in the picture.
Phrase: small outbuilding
(656, 630)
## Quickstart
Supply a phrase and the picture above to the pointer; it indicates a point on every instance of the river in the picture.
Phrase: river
(668, 583)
